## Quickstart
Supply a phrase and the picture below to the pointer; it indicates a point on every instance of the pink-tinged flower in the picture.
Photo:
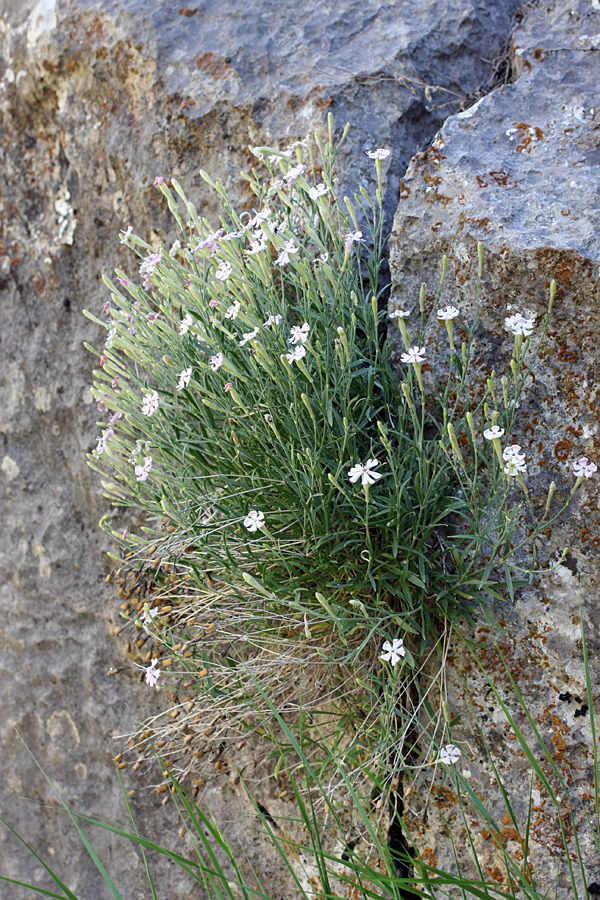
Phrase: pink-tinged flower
(148, 266)
(210, 243)
(399, 314)
(294, 173)
(125, 534)
(150, 404)
(299, 352)
(232, 235)
(249, 336)
(319, 191)
(187, 284)
(186, 324)
(100, 405)
(272, 320)
(511, 452)
(106, 308)
(216, 361)
(583, 468)
(159, 179)
(123, 281)
(184, 378)
(414, 355)
(259, 218)
(232, 311)
(152, 317)
(224, 270)
(284, 257)
(394, 651)
(149, 615)
(447, 313)
(378, 154)
(103, 442)
(299, 333)
(256, 246)
(103, 359)
(213, 303)
(125, 235)
(142, 472)
(353, 237)
(152, 673)
(449, 755)
(519, 325)
(494, 433)
(364, 472)
(254, 520)
(115, 418)
(227, 387)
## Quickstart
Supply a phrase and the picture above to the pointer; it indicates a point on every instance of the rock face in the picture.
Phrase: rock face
(96, 98)
(518, 171)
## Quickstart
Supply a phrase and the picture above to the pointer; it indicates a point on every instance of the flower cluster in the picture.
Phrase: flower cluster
(518, 325)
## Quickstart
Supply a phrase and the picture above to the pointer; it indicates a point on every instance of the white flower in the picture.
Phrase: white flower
(378, 154)
(176, 246)
(394, 651)
(149, 615)
(126, 235)
(447, 313)
(224, 271)
(583, 468)
(184, 378)
(319, 191)
(249, 336)
(414, 355)
(297, 353)
(256, 246)
(299, 333)
(232, 311)
(254, 520)
(186, 324)
(351, 238)
(494, 433)
(519, 325)
(511, 452)
(449, 755)
(515, 465)
(272, 320)
(399, 314)
(142, 472)
(152, 673)
(216, 361)
(294, 173)
(150, 404)
(284, 256)
(364, 472)
(259, 218)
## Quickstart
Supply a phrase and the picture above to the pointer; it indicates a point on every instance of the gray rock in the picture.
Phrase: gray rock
(96, 98)
(518, 171)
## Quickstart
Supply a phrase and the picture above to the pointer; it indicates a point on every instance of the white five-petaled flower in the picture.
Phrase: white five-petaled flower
(142, 472)
(216, 361)
(254, 520)
(519, 325)
(394, 651)
(449, 755)
(399, 314)
(232, 311)
(152, 673)
(381, 153)
(256, 246)
(126, 234)
(224, 270)
(184, 378)
(319, 191)
(414, 355)
(149, 615)
(514, 465)
(294, 173)
(583, 468)
(351, 238)
(299, 333)
(272, 320)
(150, 403)
(249, 336)
(447, 313)
(514, 450)
(284, 256)
(299, 352)
(186, 324)
(494, 433)
(364, 472)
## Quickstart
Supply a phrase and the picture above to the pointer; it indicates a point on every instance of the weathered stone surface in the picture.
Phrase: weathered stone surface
(95, 99)
(519, 172)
